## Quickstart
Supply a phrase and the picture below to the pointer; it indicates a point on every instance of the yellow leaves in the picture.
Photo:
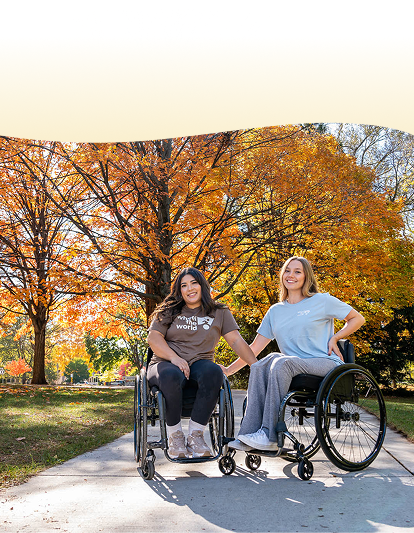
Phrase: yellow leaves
(68, 344)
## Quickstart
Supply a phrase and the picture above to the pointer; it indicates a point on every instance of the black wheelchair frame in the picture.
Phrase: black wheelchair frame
(149, 406)
(343, 413)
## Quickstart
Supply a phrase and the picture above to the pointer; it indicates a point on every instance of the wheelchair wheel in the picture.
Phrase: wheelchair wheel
(148, 469)
(300, 422)
(227, 465)
(253, 461)
(305, 469)
(350, 417)
(143, 438)
(137, 419)
(228, 419)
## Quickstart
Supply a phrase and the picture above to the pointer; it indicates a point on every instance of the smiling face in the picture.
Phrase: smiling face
(191, 291)
(294, 276)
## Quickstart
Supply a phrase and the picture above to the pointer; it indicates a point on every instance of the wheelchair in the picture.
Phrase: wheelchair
(343, 413)
(149, 406)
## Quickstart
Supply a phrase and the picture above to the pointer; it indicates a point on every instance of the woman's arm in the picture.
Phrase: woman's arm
(160, 347)
(353, 321)
(255, 348)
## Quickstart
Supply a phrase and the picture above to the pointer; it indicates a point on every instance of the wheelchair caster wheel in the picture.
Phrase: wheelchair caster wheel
(227, 465)
(148, 470)
(253, 461)
(305, 470)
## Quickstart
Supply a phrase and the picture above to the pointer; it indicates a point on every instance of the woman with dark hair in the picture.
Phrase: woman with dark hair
(303, 325)
(183, 334)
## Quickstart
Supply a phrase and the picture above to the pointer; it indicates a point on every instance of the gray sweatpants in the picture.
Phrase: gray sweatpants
(269, 383)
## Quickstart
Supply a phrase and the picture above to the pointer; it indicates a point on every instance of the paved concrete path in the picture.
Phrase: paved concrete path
(102, 491)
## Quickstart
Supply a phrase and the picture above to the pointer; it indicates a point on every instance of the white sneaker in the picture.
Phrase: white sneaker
(176, 446)
(239, 445)
(196, 445)
(258, 440)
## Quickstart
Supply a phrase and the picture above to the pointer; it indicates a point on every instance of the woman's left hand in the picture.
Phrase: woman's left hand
(333, 347)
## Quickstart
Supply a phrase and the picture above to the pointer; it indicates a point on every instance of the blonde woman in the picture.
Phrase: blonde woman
(302, 323)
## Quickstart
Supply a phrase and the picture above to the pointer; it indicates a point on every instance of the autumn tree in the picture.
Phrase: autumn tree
(105, 328)
(150, 208)
(33, 240)
(17, 367)
(66, 341)
(124, 369)
(320, 203)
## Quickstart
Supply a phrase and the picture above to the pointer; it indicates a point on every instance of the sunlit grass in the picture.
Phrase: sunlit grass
(400, 414)
(44, 426)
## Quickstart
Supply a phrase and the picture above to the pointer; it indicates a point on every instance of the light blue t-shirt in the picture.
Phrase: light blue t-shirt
(304, 329)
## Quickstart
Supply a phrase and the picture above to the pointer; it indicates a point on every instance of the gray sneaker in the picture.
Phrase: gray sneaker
(176, 445)
(196, 445)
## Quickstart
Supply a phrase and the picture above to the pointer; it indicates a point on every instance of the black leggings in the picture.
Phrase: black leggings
(170, 380)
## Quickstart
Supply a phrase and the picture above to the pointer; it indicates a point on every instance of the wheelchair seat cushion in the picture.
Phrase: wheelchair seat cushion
(305, 382)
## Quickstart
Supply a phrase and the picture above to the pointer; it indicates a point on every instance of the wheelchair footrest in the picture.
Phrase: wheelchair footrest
(156, 444)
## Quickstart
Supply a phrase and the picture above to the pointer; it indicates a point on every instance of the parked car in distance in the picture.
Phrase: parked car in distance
(117, 382)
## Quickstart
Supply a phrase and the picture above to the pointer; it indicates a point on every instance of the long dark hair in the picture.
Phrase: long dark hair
(174, 302)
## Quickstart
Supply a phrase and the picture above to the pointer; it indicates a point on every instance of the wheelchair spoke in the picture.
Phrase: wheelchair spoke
(348, 442)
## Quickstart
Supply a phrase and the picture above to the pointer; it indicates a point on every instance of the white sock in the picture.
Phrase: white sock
(195, 426)
(173, 429)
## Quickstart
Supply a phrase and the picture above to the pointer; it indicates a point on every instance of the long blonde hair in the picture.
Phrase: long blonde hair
(310, 286)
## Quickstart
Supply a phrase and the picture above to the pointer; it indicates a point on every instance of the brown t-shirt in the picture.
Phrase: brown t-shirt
(193, 335)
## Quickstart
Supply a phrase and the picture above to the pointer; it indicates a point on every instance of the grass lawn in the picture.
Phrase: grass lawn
(400, 415)
(44, 426)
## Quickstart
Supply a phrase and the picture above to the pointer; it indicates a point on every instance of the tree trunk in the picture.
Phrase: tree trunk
(39, 377)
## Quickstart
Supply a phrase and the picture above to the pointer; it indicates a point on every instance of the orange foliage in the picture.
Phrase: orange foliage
(16, 368)
(149, 208)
